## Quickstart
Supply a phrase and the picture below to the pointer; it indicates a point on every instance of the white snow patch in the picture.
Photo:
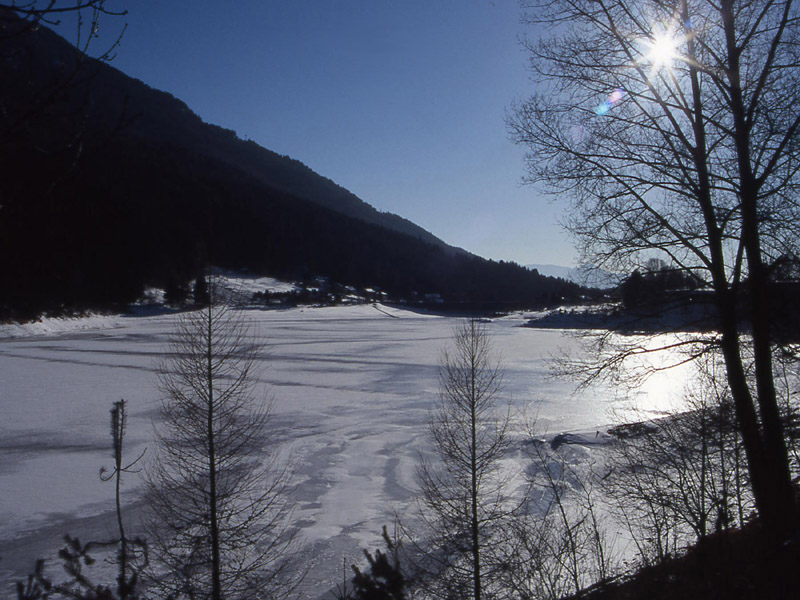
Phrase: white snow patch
(247, 285)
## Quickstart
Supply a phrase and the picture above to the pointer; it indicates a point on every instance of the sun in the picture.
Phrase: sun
(662, 49)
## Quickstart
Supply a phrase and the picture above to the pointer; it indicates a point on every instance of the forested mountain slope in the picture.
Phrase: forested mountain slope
(109, 186)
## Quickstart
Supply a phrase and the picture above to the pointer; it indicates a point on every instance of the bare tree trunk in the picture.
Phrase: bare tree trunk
(127, 572)
(476, 555)
(216, 587)
(776, 498)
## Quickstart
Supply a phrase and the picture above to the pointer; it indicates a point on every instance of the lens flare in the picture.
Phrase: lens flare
(613, 99)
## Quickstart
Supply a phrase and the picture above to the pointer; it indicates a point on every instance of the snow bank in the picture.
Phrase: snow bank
(58, 325)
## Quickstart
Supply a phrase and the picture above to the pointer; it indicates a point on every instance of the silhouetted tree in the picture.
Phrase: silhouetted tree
(176, 292)
(673, 128)
(385, 579)
(676, 479)
(77, 559)
(127, 574)
(218, 521)
(462, 501)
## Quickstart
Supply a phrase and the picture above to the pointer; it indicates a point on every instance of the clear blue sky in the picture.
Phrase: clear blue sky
(400, 101)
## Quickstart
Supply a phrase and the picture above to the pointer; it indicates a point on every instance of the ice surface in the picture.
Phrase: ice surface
(351, 385)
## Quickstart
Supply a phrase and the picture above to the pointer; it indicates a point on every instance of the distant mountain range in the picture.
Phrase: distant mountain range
(585, 276)
(110, 185)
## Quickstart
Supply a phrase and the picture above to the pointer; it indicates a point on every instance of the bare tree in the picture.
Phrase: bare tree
(788, 386)
(672, 125)
(463, 501)
(219, 526)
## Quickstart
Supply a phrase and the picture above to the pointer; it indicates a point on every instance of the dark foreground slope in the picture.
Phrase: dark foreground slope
(109, 186)
(744, 564)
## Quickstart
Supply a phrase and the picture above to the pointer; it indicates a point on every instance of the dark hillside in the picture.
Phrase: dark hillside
(38, 63)
(109, 186)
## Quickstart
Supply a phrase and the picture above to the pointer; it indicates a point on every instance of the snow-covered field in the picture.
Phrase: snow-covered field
(351, 386)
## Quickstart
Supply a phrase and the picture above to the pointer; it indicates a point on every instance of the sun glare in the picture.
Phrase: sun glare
(662, 49)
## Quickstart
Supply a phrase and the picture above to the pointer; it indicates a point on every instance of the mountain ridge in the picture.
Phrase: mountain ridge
(583, 275)
(170, 120)
(113, 186)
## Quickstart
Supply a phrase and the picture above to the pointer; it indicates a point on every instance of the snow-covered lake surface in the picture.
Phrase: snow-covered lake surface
(352, 387)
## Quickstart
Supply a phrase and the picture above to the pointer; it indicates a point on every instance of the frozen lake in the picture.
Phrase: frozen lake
(351, 386)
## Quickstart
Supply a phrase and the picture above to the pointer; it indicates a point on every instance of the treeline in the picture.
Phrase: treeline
(132, 214)
(110, 186)
(664, 290)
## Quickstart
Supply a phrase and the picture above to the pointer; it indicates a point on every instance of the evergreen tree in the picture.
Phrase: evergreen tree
(200, 292)
(385, 579)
